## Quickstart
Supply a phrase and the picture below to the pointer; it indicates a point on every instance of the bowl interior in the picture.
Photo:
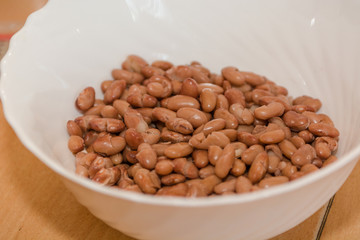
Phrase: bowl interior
(301, 45)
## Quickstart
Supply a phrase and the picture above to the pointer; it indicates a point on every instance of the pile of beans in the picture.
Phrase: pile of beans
(185, 131)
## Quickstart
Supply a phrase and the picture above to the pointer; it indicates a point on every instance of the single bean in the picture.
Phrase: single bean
(239, 148)
(178, 150)
(144, 180)
(173, 179)
(121, 106)
(179, 190)
(233, 75)
(129, 77)
(164, 65)
(107, 176)
(86, 99)
(227, 186)
(109, 145)
(134, 63)
(199, 141)
(259, 167)
(225, 162)
(287, 148)
(213, 125)
(134, 119)
(179, 73)
(164, 167)
(107, 125)
(309, 101)
(230, 133)
(207, 100)
(146, 156)
(273, 181)
(200, 158)
(243, 115)
(247, 138)
(273, 109)
(243, 185)
(180, 125)
(114, 91)
(192, 115)
(222, 102)
(238, 168)
(74, 129)
(297, 141)
(150, 71)
(230, 120)
(322, 129)
(186, 168)
(97, 164)
(214, 153)
(307, 136)
(249, 155)
(75, 144)
(305, 154)
(295, 121)
(271, 137)
(215, 88)
(206, 171)
(189, 88)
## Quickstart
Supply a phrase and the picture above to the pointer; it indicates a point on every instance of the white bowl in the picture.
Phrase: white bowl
(310, 47)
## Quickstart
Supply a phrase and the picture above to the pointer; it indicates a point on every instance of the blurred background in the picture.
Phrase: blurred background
(13, 14)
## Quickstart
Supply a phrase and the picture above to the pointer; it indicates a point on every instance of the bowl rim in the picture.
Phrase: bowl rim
(346, 159)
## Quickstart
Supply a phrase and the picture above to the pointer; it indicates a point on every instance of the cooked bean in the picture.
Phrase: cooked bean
(159, 126)
(189, 88)
(208, 100)
(192, 115)
(178, 150)
(185, 167)
(225, 162)
(273, 181)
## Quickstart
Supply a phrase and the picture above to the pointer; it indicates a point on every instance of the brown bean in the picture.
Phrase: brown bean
(297, 141)
(163, 114)
(273, 109)
(82, 171)
(186, 168)
(243, 185)
(225, 162)
(160, 148)
(271, 137)
(247, 138)
(114, 91)
(233, 75)
(235, 96)
(209, 183)
(238, 168)
(199, 140)
(73, 128)
(253, 79)
(214, 153)
(243, 115)
(134, 119)
(287, 148)
(86, 99)
(173, 179)
(208, 100)
(151, 136)
(206, 171)
(164, 65)
(189, 88)
(305, 154)
(179, 73)
(249, 155)
(134, 63)
(192, 115)
(107, 176)
(146, 156)
(133, 138)
(179, 101)
(180, 125)
(213, 125)
(107, 125)
(227, 186)
(273, 181)
(215, 88)
(97, 164)
(85, 159)
(324, 146)
(144, 180)
(309, 168)
(105, 84)
(178, 150)
(109, 111)
(259, 167)
(121, 106)
(149, 71)
(164, 167)
(230, 120)
(129, 77)
(256, 94)
(295, 121)
(179, 190)
(173, 137)
(200, 158)
(109, 145)
(159, 86)
(308, 101)
(307, 136)
(95, 110)
(322, 129)
(222, 102)
(75, 144)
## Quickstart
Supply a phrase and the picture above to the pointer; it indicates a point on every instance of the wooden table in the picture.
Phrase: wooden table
(36, 205)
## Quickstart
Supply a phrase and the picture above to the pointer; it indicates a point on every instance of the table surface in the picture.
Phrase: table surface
(36, 205)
